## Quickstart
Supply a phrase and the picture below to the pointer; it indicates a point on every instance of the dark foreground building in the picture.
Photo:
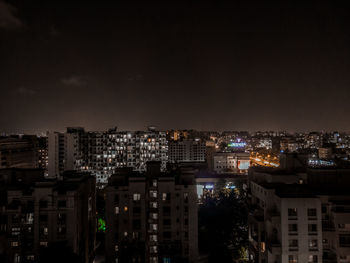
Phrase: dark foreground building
(151, 216)
(38, 214)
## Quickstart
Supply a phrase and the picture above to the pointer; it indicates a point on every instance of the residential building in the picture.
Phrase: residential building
(37, 213)
(186, 151)
(151, 216)
(299, 214)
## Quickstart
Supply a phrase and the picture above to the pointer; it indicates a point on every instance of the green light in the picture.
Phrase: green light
(101, 225)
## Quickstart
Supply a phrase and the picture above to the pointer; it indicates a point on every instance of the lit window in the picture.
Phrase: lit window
(313, 244)
(125, 208)
(292, 259)
(137, 197)
(312, 259)
(116, 248)
(14, 244)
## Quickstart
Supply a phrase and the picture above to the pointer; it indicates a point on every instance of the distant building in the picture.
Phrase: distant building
(151, 217)
(37, 213)
(17, 152)
(325, 153)
(101, 153)
(231, 162)
(186, 151)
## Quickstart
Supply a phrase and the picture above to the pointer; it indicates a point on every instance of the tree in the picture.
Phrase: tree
(223, 225)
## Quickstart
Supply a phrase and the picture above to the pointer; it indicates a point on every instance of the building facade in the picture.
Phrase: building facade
(187, 151)
(101, 153)
(151, 217)
(38, 213)
(300, 215)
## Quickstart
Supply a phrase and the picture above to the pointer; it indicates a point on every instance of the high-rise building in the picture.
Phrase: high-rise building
(101, 153)
(37, 213)
(187, 151)
(151, 217)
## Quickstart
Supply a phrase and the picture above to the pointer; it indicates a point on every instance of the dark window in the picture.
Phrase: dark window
(292, 212)
(116, 199)
(62, 203)
(167, 222)
(136, 210)
(166, 210)
(43, 204)
(136, 224)
(43, 218)
(311, 212)
(312, 228)
(167, 235)
(293, 228)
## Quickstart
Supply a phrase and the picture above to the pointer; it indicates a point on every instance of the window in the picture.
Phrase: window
(292, 259)
(61, 203)
(167, 235)
(136, 223)
(43, 243)
(154, 215)
(153, 238)
(153, 204)
(312, 228)
(344, 240)
(43, 218)
(153, 249)
(312, 259)
(292, 227)
(125, 209)
(166, 196)
(313, 244)
(136, 210)
(293, 244)
(116, 210)
(166, 210)
(43, 204)
(137, 197)
(14, 244)
(312, 213)
(166, 222)
(292, 212)
(154, 183)
(186, 197)
(154, 227)
(153, 194)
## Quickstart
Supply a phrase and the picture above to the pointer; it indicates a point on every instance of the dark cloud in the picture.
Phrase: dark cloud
(75, 81)
(24, 91)
(8, 17)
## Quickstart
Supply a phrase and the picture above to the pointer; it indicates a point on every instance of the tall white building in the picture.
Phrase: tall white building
(101, 153)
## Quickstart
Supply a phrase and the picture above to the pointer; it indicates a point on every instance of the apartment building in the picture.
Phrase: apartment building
(187, 151)
(299, 215)
(101, 153)
(151, 216)
(37, 213)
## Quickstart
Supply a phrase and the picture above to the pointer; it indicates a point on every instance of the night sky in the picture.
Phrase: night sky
(207, 65)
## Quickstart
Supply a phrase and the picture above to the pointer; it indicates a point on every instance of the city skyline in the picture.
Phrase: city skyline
(223, 66)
